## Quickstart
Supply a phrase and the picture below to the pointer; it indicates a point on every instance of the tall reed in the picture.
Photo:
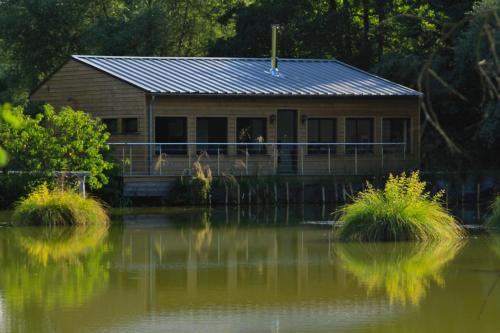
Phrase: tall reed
(402, 210)
(494, 219)
(59, 207)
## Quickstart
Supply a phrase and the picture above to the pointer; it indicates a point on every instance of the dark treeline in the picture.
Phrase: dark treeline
(447, 49)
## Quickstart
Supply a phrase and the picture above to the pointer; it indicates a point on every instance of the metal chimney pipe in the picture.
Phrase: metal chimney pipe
(274, 60)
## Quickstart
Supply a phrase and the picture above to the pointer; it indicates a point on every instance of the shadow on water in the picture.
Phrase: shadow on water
(404, 271)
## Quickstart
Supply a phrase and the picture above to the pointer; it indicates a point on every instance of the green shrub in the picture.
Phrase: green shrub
(400, 211)
(59, 207)
(494, 219)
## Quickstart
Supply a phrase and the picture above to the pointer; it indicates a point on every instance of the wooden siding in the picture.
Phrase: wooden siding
(340, 109)
(85, 88)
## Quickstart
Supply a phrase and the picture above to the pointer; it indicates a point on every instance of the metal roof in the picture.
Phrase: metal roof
(245, 76)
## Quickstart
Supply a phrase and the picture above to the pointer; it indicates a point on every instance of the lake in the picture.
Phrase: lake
(241, 270)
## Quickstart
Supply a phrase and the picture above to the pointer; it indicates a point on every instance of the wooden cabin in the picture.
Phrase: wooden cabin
(242, 116)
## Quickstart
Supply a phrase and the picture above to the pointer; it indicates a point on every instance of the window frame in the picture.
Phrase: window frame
(212, 149)
(322, 149)
(252, 149)
(361, 149)
(408, 140)
(124, 130)
(117, 130)
(172, 149)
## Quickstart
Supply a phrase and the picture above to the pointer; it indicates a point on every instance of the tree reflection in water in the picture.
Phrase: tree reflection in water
(404, 271)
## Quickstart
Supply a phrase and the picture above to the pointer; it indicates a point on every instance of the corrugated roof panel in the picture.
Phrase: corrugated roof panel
(245, 76)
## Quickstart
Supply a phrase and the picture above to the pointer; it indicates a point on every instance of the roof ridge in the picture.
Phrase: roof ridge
(79, 56)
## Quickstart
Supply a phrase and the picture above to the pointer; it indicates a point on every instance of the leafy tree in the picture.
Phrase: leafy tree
(58, 141)
(9, 119)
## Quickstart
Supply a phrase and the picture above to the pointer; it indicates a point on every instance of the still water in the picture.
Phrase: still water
(186, 270)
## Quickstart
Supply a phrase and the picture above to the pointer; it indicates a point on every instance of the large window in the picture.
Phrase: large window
(396, 130)
(251, 130)
(211, 130)
(130, 126)
(171, 130)
(359, 130)
(321, 130)
(111, 124)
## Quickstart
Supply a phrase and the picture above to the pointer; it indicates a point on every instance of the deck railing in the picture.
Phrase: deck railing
(176, 159)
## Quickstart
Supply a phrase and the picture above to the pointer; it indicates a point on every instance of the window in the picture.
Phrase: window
(396, 130)
(321, 130)
(251, 130)
(359, 130)
(171, 130)
(211, 130)
(111, 124)
(129, 126)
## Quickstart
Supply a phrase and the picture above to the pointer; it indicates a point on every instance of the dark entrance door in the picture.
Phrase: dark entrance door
(287, 133)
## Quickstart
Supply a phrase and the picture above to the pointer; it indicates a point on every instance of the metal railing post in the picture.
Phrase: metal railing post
(382, 158)
(123, 160)
(246, 161)
(218, 161)
(301, 160)
(355, 159)
(161, 160)
(130, 168)
(275, 158)
(189, 157)
(329, 161)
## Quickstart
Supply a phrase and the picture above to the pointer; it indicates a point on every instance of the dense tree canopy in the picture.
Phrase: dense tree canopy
(51, 141)
(448, 49)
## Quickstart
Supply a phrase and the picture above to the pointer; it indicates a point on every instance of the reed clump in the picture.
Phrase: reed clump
(59, 207)
(401, 211)
(494, 219)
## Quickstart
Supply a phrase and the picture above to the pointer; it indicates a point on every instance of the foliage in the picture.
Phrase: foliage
(14, 186)
(59, 207)
(447, 49)
(57, 141)
(400, 211)
(7, 117)
(494, 219)
(404, 271)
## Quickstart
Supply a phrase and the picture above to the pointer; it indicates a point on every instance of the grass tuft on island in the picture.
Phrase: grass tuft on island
(59, 207)
(401, 211)
(494, 219)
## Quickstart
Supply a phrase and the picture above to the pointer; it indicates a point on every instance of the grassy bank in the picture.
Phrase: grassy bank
(59, 207)
(402, 210)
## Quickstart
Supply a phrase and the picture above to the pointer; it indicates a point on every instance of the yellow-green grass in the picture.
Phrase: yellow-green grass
(494, 219)
(401, 211)
(59, 207)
